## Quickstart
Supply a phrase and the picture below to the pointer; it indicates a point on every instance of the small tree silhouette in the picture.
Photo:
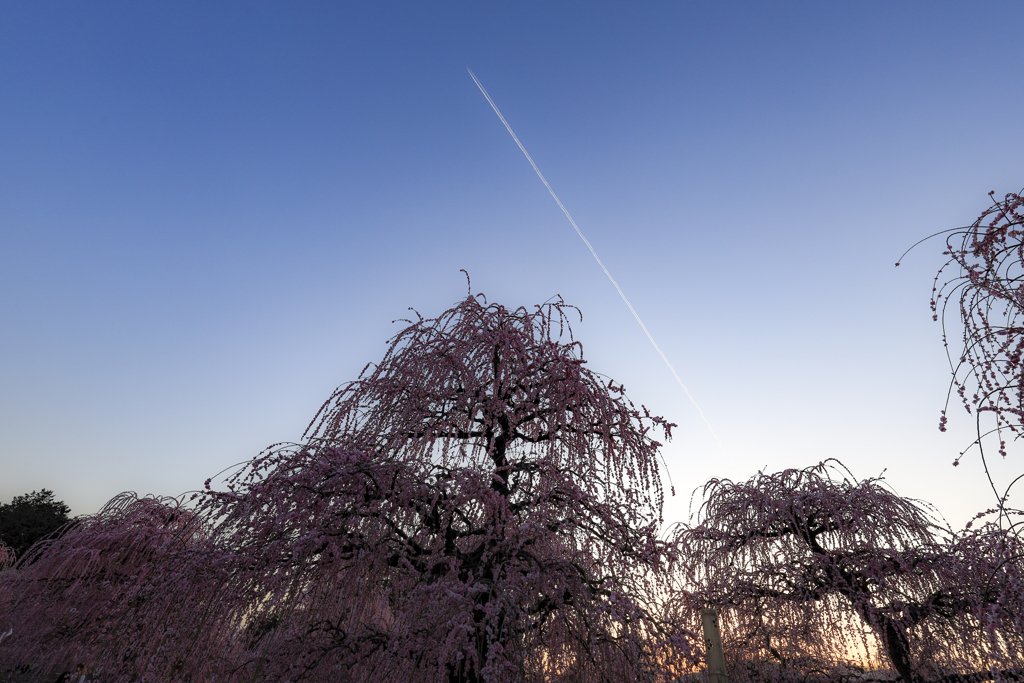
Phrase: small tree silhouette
(29, 518)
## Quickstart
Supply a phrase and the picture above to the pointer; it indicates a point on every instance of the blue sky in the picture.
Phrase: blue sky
(210, 213)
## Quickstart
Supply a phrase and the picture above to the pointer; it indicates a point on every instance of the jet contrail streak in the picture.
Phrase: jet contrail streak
(596, 257)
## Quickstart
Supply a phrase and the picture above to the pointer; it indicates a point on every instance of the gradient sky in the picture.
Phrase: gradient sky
(211, 213)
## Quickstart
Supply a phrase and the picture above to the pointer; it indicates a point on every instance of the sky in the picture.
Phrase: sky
(211, 214)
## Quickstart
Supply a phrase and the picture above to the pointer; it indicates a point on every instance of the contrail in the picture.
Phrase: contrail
(596, 257)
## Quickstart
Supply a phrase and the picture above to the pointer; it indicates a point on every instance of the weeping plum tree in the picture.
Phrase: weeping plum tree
(813, 567)
(88, 590)
(987, 294)
(479, 506)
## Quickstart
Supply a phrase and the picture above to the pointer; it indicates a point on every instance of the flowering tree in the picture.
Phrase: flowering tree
(987, 294)
(479, 506)
(812, 568)
(87, 592)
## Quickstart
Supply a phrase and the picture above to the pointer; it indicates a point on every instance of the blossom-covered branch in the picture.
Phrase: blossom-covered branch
(812, 566)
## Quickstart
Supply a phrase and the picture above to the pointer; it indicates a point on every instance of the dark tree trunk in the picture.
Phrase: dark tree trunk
(897, 646)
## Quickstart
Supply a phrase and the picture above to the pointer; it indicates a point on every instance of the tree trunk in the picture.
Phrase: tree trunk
(897, 646)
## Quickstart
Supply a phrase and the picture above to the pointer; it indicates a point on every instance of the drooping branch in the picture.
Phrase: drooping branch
(981, 286)
(805, 558)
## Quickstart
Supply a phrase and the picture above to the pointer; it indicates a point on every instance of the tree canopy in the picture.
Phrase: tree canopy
(812, 566)
(29, 518)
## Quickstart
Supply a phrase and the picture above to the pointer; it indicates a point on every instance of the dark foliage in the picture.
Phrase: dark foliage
(30, 518)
